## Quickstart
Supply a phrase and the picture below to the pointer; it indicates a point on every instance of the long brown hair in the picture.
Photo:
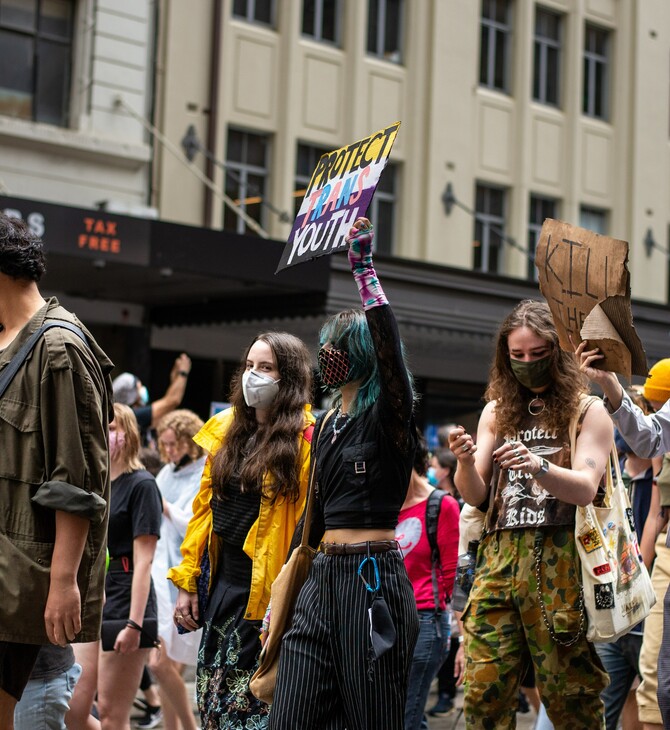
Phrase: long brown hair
(512, 398)
(277, 445)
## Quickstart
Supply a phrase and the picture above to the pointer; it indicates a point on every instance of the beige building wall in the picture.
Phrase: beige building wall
(275, 81)
(105, 152)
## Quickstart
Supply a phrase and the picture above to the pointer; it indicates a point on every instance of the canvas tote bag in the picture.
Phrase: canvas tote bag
(618, 592)
(283, 596)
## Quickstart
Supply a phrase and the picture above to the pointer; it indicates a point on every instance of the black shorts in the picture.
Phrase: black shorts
(16, 664)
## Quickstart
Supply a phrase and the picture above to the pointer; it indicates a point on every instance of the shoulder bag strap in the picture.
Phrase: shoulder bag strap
(15, 363)
(310, 485)
(433, 507)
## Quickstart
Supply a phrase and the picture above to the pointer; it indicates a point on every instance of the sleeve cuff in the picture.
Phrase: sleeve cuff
(66, 497)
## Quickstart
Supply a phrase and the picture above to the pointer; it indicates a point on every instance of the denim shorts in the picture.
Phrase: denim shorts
(45, 701)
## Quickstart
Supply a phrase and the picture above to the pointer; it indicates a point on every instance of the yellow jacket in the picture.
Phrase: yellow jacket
(269, 538)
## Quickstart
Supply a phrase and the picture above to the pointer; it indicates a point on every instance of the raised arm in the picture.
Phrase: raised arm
(396, 401)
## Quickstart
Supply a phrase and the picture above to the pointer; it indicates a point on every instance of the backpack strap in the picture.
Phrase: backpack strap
(433, 507)
(15, 363)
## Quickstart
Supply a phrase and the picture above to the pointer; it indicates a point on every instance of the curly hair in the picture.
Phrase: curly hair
(276, 446)
(511, 398)
(185, 425)
(124, 420)
(21, 254)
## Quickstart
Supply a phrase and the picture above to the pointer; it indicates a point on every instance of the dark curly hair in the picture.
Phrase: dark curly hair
(21, 254)
(277, 441)
(511, 398)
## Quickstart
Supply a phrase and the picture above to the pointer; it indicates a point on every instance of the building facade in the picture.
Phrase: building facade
(193, 128)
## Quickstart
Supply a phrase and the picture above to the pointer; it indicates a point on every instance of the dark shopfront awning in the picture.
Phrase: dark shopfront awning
(180, 274)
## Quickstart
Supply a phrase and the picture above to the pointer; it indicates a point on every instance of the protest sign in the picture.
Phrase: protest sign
(339, 191)
(585, 280)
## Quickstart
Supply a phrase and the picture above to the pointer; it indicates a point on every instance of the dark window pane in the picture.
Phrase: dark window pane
(599, 91)
(552, 75)
(19, 14)
(499, 80)
(387, 181)
(537, 75)
(256, 146)
(329, 29)
(240, 8)
(477, 246)
(52, 83)
(373, 22)
(263, 11)
(496, 201)
(392, 29)
(56, 18)
(16, 75)
(308, 17)
(384, 227)
(484, 56)
(235, 145)
(500, 8)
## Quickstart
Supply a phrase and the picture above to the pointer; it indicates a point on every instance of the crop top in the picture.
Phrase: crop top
(363, 475)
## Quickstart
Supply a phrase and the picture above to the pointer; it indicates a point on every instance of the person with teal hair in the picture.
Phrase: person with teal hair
(345, 660)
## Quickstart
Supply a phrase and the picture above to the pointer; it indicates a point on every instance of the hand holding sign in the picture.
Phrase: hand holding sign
(339, 191)
(583, 277)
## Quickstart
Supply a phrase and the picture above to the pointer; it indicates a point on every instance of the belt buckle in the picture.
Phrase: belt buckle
(359, 467)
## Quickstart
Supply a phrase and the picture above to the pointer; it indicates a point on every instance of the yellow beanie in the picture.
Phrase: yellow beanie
(657, 384)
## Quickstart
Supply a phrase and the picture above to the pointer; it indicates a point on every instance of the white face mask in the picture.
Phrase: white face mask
(259, 390)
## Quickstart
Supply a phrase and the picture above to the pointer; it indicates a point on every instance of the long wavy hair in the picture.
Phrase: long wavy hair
(512, 398)
(276, 446)
(349, 331)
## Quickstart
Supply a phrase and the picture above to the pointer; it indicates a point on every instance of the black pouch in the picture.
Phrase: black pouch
(148, 635)
(382, 629)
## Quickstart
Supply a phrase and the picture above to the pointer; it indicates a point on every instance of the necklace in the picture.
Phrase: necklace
(337, 431)
(536, 406)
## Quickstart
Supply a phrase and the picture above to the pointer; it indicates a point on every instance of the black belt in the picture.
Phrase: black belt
(124, 564)
(358, 548)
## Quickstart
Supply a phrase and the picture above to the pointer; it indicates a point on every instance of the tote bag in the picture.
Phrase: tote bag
(618, 592)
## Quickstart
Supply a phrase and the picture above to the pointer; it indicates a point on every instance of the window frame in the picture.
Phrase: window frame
(592, 61)
(241, 171)
(489, 221)
(546, 44)
(36, 35)
(591, 210)
(315, 153)
(317, 35)
(493, 27)
(379, 51)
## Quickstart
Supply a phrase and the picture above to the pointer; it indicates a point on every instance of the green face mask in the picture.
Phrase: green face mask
(534, 374)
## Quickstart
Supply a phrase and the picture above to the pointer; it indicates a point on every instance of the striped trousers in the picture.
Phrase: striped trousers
(326, 679)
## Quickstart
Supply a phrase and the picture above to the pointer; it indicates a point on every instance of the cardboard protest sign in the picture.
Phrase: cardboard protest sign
(339, 191)
(585, 280)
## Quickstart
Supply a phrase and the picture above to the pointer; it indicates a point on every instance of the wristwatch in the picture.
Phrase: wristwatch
(544, 468)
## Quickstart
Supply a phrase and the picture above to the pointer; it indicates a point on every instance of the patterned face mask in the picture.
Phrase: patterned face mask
(334, 367)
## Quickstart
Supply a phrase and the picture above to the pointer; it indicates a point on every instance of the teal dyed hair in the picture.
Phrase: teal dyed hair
(349, 331)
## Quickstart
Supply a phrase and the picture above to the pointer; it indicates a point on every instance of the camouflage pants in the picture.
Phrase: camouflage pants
(505, 629)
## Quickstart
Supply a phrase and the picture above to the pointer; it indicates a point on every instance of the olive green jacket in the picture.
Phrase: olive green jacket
(53, 456)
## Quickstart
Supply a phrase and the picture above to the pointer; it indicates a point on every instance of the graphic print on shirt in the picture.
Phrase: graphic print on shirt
(408, 533)
(521, 501)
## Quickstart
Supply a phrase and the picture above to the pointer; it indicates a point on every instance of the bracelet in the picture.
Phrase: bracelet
(460, 639)
(132, 625)
(183, 373)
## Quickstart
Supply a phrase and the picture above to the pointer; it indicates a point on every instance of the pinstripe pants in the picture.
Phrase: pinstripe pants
(326, 680)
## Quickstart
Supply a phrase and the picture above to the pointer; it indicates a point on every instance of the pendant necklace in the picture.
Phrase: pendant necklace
(536, 406)
(337, 431)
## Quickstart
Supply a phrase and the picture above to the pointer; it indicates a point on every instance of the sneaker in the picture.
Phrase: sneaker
(151, 718)
(443, 706)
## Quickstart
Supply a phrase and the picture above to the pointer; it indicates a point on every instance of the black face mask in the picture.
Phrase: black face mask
(334, 367)
(533, 374)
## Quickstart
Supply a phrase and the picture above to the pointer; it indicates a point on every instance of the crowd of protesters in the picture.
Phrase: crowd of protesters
(197, 530)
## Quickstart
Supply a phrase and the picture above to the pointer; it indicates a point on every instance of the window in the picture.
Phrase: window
(596, 65)
(489, 228)
(595, 219)
(547, 61)
(36, 59)
(494, 53)
(255, 11)
(307, 157)
(540, 208)
(321, 20)
(382, 210)
(246, 178)
(385, 19)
